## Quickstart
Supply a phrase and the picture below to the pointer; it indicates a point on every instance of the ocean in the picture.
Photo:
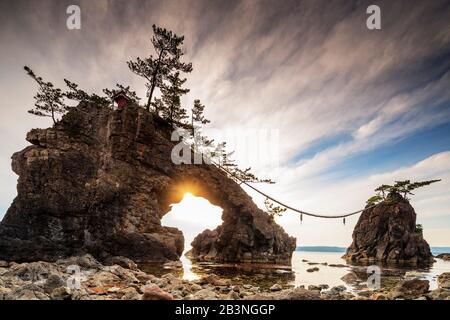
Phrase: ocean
(331, 269)
(434, 250)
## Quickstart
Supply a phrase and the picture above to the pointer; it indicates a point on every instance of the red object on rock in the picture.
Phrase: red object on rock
(121, 99)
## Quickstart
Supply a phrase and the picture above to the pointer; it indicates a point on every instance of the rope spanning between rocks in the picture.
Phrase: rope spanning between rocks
(288, 206)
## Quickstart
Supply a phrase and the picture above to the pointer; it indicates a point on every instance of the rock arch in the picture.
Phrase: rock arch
(100, 180)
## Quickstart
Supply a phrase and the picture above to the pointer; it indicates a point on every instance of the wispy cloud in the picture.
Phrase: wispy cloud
(310, 69)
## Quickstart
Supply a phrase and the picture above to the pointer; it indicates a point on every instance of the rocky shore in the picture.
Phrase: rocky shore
(118, 278)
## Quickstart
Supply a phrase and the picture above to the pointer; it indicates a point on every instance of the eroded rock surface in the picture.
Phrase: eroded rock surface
(387, 233)
(99, 182)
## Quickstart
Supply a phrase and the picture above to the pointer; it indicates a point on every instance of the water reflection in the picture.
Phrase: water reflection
(331, 271)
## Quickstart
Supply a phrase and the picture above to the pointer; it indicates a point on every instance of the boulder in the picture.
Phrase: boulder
(444, 256)
(61, 293)
(300, 294)
(351, 278)
(205, 294)
(444, 280)
(276, 287)
(387, 233)
(409, 289)
(100, 180)
(130, 294)
(33, 272)
(27, 292)
(439, 294)
(153, 292)
(121, 261)
(53, 282)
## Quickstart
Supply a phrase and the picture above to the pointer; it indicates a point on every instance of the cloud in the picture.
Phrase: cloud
(309, 70)
(347, 195)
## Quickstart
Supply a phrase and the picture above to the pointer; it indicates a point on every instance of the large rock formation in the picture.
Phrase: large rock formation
(99, 182)
(387, 233)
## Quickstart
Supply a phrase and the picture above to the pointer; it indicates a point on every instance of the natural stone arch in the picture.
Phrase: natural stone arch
(100, 180)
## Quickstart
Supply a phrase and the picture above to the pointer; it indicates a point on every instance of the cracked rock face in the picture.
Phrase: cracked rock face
(100, 181)
(387, 233)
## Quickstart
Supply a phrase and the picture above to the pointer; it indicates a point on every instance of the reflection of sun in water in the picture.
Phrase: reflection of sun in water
(192, 215)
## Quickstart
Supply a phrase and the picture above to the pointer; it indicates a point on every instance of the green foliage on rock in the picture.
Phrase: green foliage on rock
(49, 100)
(272, 210)
(157, 69)
(374, 200)
(77, 94)
(403, 188)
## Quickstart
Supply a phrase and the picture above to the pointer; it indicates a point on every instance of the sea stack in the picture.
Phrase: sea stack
(387, 233)
(100, 181)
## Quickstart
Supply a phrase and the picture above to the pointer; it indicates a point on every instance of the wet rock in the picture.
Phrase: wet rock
(276, 287)
(35, 271)
(409, 289)
(351, 278)
(205, 294)
(300, 294)
(439, 294)
(103, 278)
(53, 281)
(61, 293)
(196, 287)
(153, 292)
(122, 181)
(379, 296)
(125, 275)
(387, 232)
(443, 256)
(171, 279)
(121, 261)
(365, 293)
(314, 288)
(27, 292)
(324, 286)
(338, 289)
(173, 265)
(86, 261)
(412, 274)
(444, 280)
(217, 281)
(233, 295)
(130, 293)
(334, 265)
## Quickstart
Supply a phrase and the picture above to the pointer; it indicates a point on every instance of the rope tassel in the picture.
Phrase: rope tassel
(344, 221)
(301, 218)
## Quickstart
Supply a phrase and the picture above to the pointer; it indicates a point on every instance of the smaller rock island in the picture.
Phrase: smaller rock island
(387, 233)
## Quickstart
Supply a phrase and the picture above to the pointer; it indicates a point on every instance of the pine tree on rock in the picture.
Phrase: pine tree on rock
(49, 100)
(158, 105)
(77, 94)
(197, 113)
(156, 69)
(171, 97)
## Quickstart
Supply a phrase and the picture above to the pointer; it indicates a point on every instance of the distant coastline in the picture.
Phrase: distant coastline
(434, 250)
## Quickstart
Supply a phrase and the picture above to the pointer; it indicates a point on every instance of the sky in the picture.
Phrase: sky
(303, 92)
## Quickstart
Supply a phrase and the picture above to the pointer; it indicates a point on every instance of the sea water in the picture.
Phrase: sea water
(328, 274)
